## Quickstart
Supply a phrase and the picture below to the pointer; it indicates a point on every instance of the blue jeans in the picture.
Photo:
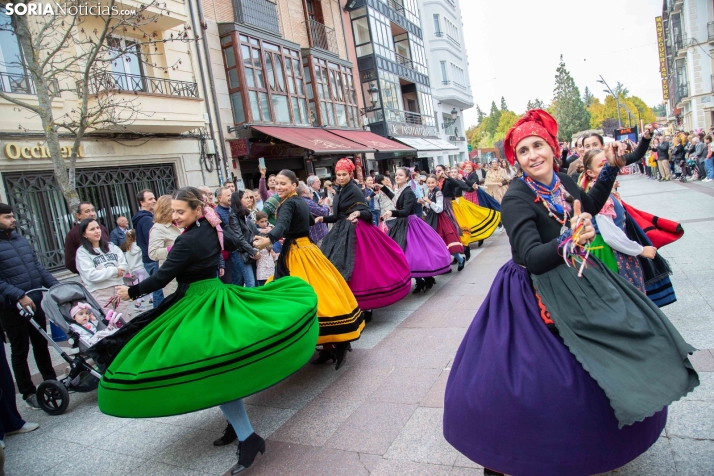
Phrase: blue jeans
(238, 418)
(709, 164)
(375, 217)
(245, 270)
(151, 268)
(235, 269)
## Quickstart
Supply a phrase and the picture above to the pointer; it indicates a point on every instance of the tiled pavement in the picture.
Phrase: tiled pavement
(381, 413)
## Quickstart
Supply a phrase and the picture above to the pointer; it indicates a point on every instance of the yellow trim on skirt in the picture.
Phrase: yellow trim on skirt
(475, 223)
(336, 305)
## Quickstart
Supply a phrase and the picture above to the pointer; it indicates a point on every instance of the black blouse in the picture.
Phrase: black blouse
(532, 233)
(405, 203)
(293, 220)
(349, 199)
(454, 188)
(193, 257)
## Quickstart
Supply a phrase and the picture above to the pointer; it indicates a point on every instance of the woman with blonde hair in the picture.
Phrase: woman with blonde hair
(162, 235)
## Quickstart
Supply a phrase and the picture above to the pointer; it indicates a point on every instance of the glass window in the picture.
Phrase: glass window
(444, 76)
(341, 115)
(279, 72)
(237, 105)
(233, 78)
(254, 107)
(265, 107)
(269, 70)
(230, 57)
(361, 30)
(437, 26)
(280, 106)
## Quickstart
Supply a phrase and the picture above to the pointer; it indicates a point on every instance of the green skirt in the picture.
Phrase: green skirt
(604, 253)
(216, 344)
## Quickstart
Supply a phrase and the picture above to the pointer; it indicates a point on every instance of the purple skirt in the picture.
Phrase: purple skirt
(518, 402)
(425, 250)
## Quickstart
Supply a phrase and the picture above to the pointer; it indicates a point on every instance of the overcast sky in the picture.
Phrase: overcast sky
(514, 47)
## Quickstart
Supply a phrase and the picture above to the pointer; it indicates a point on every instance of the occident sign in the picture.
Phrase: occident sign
(17, 151)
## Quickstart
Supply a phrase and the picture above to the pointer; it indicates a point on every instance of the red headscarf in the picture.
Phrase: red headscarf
(468, 162)
(345, 164)
(535, 122)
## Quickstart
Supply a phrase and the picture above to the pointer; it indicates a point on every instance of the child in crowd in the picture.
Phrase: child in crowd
(85, 324)
(136, 272)
(266, 263)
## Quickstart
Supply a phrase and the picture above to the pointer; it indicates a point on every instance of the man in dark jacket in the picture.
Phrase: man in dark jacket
(223, 208)
(20, 272)
(143, 221)
(73, 240)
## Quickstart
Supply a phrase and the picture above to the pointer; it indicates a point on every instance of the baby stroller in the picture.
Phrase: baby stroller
(53, 395)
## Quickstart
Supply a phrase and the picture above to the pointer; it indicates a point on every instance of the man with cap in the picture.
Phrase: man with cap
(21, 272)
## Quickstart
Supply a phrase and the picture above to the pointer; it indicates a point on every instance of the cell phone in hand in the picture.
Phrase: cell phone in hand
(261, 162)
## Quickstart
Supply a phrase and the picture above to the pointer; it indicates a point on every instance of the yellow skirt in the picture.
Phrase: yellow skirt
(338, 313)
(475, 223)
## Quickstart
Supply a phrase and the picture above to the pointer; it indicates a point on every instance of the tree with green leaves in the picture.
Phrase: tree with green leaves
(568, 107)
(494, 117)
(659, 110)
(588, 97)
(504, 108)
(537, 104)
(479, 114)
(621, 91)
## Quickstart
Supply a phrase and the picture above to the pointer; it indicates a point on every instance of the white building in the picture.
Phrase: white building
(689, 38)
(448, 72)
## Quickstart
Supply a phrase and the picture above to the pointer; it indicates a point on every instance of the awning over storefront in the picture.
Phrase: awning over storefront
(422, 145)
(318, 140)
(443, 145)
(371, 139)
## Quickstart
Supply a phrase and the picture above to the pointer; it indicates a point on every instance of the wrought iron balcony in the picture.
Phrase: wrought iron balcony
(110, 81)
(404, 61)
(259, 13)
(439, 34)
(322, 37)
(396, 5)
(412, 118)
(680, 41)
(15, 83)
(681, 92)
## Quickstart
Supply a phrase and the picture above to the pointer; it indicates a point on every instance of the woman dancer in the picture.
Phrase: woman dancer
(560, 374)
(425, 251)
(478, 196)
(444, 225)
(611, 244)
(475, 223)
(208, 343)
(354, 246)
(341, 320)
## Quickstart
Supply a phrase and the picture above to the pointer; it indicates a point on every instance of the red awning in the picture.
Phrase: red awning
(315, 139)
(371, 139)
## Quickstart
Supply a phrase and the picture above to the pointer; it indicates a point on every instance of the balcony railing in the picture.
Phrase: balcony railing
(15, 83)
(396, 6)
(453, 40)
(412, 118)
(681, 92)
(439, 34)
(404, 61)
(259, 13)
(679, 41)
(109, 81)
(445, 82)
(323, 37)
(710, 30)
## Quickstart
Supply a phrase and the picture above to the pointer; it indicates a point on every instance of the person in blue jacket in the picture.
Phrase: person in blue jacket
(20, 272)
(143, 221)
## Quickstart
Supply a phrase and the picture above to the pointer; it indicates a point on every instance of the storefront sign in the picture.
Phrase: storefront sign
(13, 150)
(457, 139)
(397, 129)
(239, 148)
(277, 151)
(662, 57)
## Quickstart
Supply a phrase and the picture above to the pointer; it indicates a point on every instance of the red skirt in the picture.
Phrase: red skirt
(471, 197)
(447, 231)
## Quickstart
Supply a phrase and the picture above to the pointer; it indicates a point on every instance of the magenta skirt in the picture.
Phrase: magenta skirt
(381, 274)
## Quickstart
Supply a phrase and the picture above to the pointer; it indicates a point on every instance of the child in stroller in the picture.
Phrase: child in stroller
(85, 324)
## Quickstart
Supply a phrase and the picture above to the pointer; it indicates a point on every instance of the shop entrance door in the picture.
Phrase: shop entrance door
(42, 214)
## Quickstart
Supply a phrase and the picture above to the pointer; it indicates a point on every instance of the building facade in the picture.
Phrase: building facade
(449, 74)
(169, 144)
(688, 27)
(394, 77)
(290, 90)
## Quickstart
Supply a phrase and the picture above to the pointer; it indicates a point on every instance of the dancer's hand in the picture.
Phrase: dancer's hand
(649, 252)
(613, 157)
(585, 219)
(387, 215)
(352, 218)
(319, 219)
(261, 242)
(122, 292)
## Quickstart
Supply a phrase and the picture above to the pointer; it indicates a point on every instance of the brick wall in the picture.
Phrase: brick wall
(220, 11)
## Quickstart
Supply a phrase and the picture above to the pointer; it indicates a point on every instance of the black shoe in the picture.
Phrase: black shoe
(325, 356)
(229, 436)
(480, 243)
(420, 285)
(341, 350)
(430, 282)
(454, 262)
(467, 252)
(247, 451)
(490, 472)
(367, 316)
(461, 265)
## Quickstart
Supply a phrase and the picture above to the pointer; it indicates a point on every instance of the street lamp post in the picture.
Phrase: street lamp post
(617, 100)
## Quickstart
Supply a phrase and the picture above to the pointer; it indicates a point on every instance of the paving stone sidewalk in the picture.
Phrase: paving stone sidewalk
(381, 413)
